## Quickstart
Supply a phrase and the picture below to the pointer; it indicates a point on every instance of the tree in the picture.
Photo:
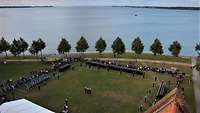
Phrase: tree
(41, 45)
(197, 67)
(32, 51)
(15, 47)
(137, 46)
(64, 46)
(175, 48)
(4, 46)
(197, 48)
(118, 46)
(35, 48)
(82, 45)
(157, 47)
(23, 45)
(100, 45)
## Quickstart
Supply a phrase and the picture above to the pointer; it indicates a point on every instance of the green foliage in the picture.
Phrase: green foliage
(41, 44)
(175, 48)
(4, 46)
(34, 49)
(100, 45)
(23, 45)
(198, 67)
(37, 46)
(197, 48)
(82, 45)
(15, 47)
(64, 46)
(118, 46)
(157, 47)
(137, 46)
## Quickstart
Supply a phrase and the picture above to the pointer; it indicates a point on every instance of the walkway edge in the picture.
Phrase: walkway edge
(145, 60)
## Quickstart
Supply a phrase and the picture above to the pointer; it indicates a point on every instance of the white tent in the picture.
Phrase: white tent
(22, 106)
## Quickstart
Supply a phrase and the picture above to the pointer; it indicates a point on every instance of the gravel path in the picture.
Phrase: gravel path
(196, 80)
(148, 61)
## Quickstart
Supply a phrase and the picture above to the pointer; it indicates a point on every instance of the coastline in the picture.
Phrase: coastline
(163, 7)
(25, 6)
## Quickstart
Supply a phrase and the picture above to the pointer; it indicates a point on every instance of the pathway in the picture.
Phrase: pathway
(196, 80)
(146, 60)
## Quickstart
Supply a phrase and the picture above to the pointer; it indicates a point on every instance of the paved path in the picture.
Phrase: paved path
(146, 60)
(196, 80)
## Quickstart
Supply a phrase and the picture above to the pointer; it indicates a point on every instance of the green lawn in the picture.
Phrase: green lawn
(111, 92)
(127, 55)
(13, 70)
(149, 56)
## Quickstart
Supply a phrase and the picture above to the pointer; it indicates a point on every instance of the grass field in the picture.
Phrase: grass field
(127, 55)
(112, 92)
(149, 56)
(14, 70)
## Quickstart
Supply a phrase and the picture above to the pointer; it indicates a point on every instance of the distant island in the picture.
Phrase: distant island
(23, 6)
(162, 7)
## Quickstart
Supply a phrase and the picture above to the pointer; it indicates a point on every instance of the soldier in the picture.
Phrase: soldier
(143, 76)
(66, 101)
(149, 91)
(153, 84)
(141, 108)
(155, 78)
(58, 77)
(133, 74)
(85, 89)
(39, 87)
(145, 99)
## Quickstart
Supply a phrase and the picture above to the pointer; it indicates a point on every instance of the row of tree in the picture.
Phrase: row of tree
(20, 46)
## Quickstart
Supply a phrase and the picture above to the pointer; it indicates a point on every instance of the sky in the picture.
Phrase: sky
(188, 3)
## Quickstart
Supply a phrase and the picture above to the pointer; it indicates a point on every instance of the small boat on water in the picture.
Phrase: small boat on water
(136, 15)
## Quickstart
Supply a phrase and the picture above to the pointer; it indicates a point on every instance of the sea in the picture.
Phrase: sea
(53, 23)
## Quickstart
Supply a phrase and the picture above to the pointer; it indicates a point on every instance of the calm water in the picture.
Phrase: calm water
(109, 22)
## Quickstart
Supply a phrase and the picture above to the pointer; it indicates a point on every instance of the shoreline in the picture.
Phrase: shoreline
(163, 7)
(149, 7)
(25, 6)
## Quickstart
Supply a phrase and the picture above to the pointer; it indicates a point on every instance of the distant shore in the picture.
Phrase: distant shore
(24, 6)
(162, 7)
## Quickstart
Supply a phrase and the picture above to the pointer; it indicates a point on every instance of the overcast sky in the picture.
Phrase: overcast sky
(103, 2)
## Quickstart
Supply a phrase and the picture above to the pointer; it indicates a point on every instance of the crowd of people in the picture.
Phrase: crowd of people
(136, 69)
(114, 66)
(33, 79)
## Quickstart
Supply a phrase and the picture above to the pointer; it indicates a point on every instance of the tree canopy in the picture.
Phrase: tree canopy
(37, 46)
(197, 48)
(118, 46)
(175, 48)
(82, 45)
(100, 45)
(15, 47)
(64, 46)
(23, 45)
(4, 45)
(137, 45)
(157, 47)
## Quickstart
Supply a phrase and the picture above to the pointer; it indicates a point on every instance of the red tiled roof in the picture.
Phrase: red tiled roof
(173, 102)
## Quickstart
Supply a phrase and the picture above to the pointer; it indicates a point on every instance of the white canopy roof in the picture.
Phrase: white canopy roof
(22, 106)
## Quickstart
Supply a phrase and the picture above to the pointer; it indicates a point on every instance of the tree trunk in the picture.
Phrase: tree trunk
(100, 54)
(6, 54)
(23, 54)
(41, 55)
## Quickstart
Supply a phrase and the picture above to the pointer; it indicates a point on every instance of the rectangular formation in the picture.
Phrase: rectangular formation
(109, 65)
(162, 90)
(31, 80)
(61, 65)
